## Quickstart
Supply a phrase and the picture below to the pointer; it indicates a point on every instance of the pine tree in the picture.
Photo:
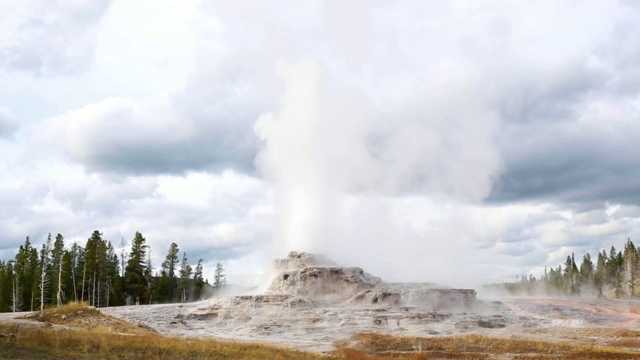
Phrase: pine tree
(95, 258)
(185, 276)
(168, 280)
(109, 274)
(11, 287)
(612, 265)
(198, 281)
(67, 285)
(79, 270)
(57, 260)
(601, 273)
(135, 281)
(219, 278)
(630, 266)
(5, 287)
(26, 269)
(570, 270)
(148, 274)
(45, 263)
(587, 272)
(16, 303)
(619, 292)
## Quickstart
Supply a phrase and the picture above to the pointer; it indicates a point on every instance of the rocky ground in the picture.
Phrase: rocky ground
(313, 303)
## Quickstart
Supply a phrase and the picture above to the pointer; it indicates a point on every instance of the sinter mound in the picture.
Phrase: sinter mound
(312, 302)
(320, 280)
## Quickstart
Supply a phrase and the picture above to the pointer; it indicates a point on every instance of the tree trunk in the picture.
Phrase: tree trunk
(15, 293)
(108, 292)
(84, 273)
(98, 292)
(93, 291)
(73, 277)
(59, 294)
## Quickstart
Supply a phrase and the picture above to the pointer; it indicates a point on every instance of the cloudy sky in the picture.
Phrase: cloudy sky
(459, 142)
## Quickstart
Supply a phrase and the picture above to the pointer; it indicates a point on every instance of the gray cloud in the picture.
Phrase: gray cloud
(578, 161)
(570, 135)
(120, 136)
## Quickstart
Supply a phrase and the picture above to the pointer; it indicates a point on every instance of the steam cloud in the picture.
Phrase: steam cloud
(312, 144)
(386, 139)
(341, 174)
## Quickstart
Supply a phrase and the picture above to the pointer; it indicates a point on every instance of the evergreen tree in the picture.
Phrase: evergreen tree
(630, 266)
(135, 281)
(198, 281)
(57, 261)
(44, 267)
(619, 292)
(185, 277)
(26, 265)
(587, 275)
(9, 289)
(612, 265)
(168, 281)
(570, 275)
(109, 275)
(5, 288)
(148, 274)
(219, 278)
(601, 273)
(67, 284)
(115, 278)
(16, 305)
(95, 258)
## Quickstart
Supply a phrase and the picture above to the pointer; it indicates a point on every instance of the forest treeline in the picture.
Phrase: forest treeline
(99, 275)
(614, 275)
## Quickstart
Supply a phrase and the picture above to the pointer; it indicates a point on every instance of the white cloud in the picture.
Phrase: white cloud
(49, 37)
(8, 124)
(385, 125)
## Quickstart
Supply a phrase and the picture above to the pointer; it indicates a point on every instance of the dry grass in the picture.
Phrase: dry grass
(52, 343)
(89, 334)
(626, 343)
(77, 314)
(378, 346)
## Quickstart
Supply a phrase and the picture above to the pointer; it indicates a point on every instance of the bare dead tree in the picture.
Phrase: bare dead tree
(59, 292)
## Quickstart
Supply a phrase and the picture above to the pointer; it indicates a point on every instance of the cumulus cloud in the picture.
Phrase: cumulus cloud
(8, 124)
(386, 134)
(117, 135)
(49, 37)
(225, 216)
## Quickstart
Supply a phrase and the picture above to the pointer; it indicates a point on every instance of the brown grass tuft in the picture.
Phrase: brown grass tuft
(379, 346)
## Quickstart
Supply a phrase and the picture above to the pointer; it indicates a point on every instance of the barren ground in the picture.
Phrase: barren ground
(578, 321)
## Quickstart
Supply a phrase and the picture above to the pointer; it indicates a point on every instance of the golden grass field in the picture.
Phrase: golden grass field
(88, 334)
